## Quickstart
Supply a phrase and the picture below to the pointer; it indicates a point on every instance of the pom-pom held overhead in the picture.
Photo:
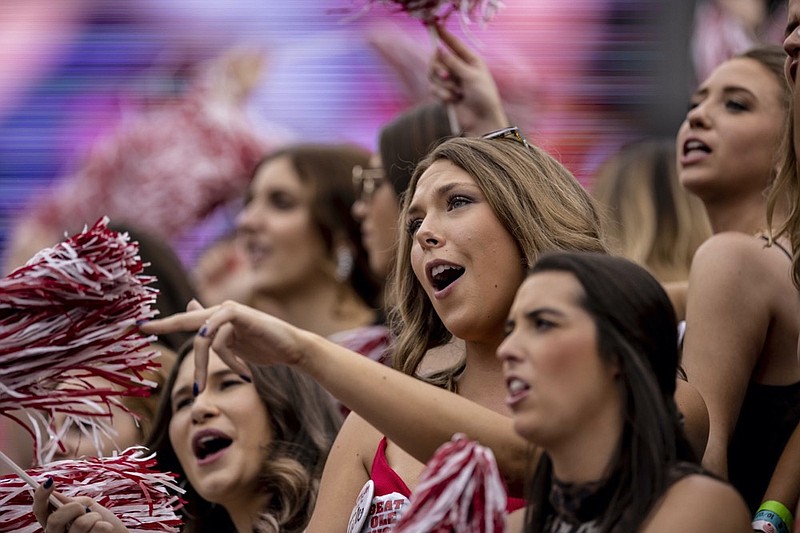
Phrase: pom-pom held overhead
(459, 490)
(432, 12)
(67, 318)
(143, 499)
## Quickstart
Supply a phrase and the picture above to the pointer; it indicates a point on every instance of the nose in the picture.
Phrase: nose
(792, 47)
(359, 210)
(792, 43)
(505, 352)
(698, 116)
(428, 237)
(245, 220)
(203, 408)
(70, 442)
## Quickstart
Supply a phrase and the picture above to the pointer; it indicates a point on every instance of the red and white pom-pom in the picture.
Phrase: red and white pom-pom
(68, 315)
(460, 491)
(162, 169)
(143, 499)
(432, 12)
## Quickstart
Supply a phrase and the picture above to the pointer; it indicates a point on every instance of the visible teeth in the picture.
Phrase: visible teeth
(695, 145)
(441, 268)
(205, 440)
(516, 385)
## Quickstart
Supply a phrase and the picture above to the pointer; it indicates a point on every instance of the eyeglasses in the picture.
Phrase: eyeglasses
(512, 133)
(366, 181)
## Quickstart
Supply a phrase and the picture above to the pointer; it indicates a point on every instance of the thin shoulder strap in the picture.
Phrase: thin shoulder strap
(779, 245)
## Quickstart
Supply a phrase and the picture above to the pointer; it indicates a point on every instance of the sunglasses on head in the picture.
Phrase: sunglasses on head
(512, 133)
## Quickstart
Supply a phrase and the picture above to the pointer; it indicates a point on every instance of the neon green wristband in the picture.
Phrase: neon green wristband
(779, 509)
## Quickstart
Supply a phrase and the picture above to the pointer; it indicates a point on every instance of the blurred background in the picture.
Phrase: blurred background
(580, 77)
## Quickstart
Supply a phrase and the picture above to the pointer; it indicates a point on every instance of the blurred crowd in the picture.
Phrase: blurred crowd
(567, 235)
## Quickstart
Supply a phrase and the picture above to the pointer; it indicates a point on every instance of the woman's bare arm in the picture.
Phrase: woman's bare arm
(416, 416)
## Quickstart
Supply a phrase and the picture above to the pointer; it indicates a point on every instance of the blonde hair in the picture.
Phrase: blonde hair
(650, 218)
(536, 199)
(784, 196)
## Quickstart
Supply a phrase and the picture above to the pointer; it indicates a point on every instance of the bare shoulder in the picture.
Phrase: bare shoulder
(733, 251)
(727, 246)
(731, 265)
(699, 503)
(359, 438)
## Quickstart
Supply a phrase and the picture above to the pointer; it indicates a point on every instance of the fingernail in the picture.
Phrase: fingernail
(195, 389)
(48, 483)
(203, 331)
(246, 378)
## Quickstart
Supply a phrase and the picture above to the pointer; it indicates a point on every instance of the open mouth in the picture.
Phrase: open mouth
(515, 386)
(442, 276)
(695, 145)
(209, 444)
(256, 252)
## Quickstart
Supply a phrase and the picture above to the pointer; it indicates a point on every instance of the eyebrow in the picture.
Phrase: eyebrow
(441, 191)
(535, 313)
(726, 90)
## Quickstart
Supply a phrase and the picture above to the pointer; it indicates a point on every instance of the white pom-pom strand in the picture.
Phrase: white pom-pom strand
(459, 490)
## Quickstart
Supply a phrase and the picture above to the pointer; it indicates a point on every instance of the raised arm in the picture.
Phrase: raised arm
(727, 318)
(461, 78)
(417, 416)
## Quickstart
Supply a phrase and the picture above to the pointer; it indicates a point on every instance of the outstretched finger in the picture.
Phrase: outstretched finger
(188, 321)
(220, 316)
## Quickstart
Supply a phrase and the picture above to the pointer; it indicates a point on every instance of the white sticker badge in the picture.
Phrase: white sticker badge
(361, 508)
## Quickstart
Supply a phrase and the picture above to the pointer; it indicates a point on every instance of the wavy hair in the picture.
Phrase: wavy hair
(304, 423)
(636, 331)
(537, 200)
(784, 195)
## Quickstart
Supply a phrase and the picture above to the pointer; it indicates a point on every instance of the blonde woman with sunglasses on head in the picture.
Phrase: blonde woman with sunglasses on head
(476, 212)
